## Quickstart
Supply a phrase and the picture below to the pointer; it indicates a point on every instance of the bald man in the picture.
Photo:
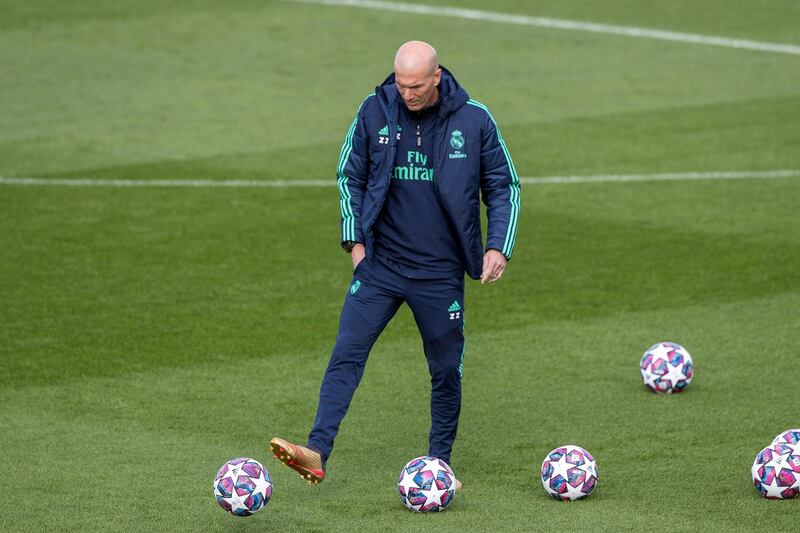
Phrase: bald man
(416, 162)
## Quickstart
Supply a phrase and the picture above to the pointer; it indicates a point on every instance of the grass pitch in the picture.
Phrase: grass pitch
(150, 334)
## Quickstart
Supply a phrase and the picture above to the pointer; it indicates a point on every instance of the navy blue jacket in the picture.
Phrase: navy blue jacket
(470, 161)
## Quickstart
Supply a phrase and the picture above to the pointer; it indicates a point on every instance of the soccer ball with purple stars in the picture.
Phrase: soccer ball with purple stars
(790, 436)
(569, 473)
(667, 368)
(242, 486)
(776, 471)
(426, 484)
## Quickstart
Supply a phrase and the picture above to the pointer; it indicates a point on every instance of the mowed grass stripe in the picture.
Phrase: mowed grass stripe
(145, 265)
(153, 424)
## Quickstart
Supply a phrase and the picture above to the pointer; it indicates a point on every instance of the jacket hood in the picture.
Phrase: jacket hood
(451, 95)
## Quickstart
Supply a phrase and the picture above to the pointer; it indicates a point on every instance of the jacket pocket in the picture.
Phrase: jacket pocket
(360, 264)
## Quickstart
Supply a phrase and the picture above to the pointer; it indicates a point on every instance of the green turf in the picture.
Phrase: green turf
(150, 334)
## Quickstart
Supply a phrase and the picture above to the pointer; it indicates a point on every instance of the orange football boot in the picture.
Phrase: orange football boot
(302, 460)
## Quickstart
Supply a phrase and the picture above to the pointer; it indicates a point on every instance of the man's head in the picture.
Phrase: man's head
(417, 74)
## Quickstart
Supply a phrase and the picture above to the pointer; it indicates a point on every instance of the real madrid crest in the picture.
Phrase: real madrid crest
(457, 140)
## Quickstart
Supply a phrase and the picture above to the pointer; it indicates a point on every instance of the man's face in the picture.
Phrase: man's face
(418, 88)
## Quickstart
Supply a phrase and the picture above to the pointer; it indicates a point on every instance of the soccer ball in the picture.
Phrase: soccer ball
(776, 471)
(426, 484)
(569, 473)
(790, 436)
(242, 486)
(667, 368)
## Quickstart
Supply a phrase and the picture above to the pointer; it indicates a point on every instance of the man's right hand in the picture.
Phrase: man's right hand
(357, 254)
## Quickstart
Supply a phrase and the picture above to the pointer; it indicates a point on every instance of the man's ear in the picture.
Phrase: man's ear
(437, 76)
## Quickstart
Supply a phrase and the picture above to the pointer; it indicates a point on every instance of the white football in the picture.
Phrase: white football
(666, 368)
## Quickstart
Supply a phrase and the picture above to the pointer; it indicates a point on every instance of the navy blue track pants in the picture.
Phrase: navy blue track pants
(374, 296)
